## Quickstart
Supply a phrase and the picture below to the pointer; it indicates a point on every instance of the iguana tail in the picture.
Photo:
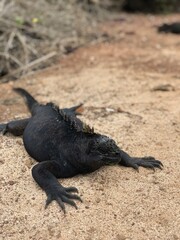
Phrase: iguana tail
(30, 101)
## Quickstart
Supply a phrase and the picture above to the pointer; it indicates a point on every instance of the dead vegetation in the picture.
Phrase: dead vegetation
(33, 35)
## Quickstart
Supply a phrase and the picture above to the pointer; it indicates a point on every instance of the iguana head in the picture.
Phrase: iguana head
(107, 149)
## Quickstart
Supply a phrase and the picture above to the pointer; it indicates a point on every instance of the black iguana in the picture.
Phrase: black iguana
(170, 28)
(64, 146)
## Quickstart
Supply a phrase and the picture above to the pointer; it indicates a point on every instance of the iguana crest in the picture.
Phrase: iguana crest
(75, 123)
(72, 121)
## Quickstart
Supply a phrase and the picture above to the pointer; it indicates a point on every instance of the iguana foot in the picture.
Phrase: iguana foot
(136, 162)
(3, 128)
(147, 162)
(62, 195)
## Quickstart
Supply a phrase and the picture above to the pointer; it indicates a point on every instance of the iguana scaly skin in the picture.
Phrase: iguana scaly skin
(64, 146)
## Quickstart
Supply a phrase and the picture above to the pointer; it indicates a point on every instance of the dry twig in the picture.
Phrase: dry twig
(30, 65)
(9, 56)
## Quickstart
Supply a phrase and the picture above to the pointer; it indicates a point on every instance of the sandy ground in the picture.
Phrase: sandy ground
(109, 78)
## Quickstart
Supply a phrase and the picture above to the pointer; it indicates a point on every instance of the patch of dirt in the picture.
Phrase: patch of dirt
(120, 82)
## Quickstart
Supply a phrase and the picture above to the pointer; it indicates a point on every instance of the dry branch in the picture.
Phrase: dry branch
(30, 65)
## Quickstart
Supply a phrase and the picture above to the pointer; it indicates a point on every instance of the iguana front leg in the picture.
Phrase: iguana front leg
(134, 162)
(15, 127)
(45, 174)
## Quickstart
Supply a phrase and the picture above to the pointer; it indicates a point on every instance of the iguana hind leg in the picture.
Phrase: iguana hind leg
(135, 162)
(15, 127)
(45, 174)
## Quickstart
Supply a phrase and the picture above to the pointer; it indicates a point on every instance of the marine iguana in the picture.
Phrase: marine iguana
(170, 28)
(64, 146)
